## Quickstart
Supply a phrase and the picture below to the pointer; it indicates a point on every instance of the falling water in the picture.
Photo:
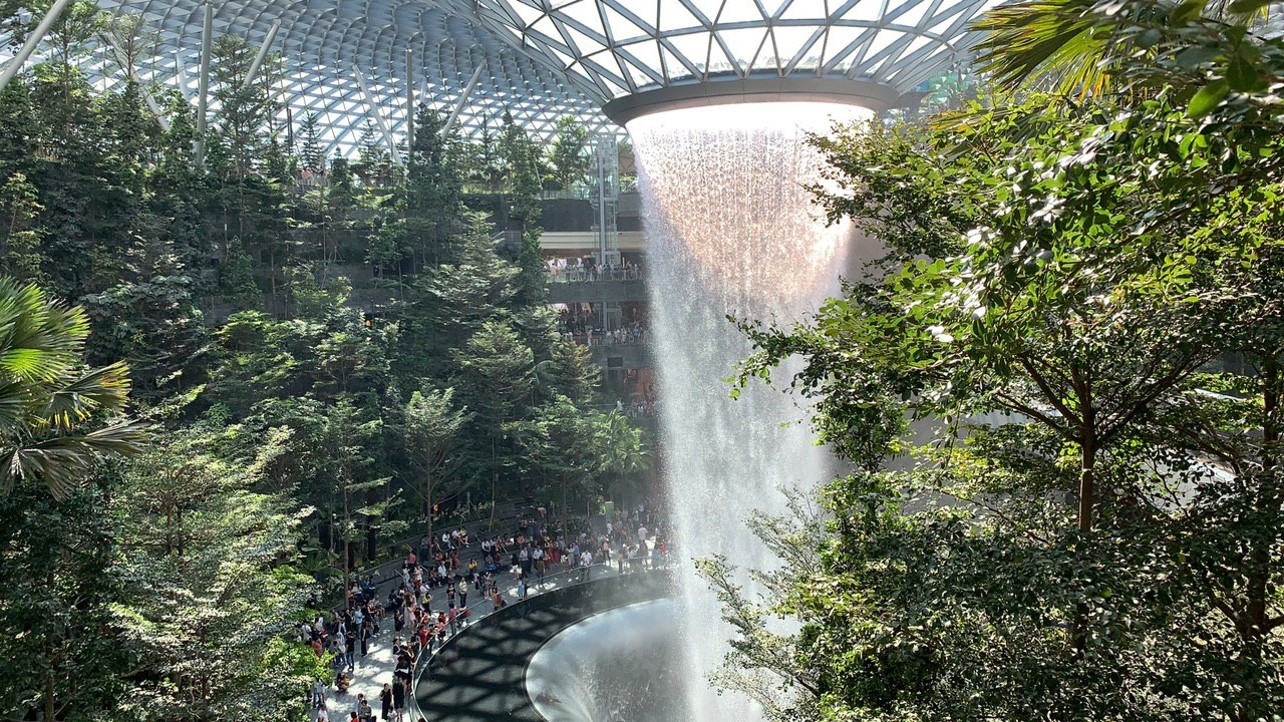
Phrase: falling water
(731, 229)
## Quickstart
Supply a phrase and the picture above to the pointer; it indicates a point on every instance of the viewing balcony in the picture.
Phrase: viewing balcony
(578, 285)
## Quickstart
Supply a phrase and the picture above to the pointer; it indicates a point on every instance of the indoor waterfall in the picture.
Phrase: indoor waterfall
(731, 229)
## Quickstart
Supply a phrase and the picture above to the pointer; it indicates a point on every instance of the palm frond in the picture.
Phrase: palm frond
(47, 398)
(102, 388)
(1058, 43)
(62, 462)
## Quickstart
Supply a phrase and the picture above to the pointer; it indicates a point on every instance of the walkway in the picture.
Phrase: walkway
(375, 670)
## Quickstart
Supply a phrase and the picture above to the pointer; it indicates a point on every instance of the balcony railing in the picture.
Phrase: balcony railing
(584, 274)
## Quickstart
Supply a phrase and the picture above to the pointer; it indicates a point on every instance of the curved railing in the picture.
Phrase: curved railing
(479, 673)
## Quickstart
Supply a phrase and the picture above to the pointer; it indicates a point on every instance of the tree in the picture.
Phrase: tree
(342, 196)
(522, 161)
(347, 437)
(211, 592)
(570, 372)
(374, 165)
(574, 448)
(1082, 299)
(452, 302)
(57, 418)
(434, 185)
(20, 238)
(237, 274)
(568, 155)
(63, 650)
(431, 434)
(244, 110)
(495, 381)
(311, 153)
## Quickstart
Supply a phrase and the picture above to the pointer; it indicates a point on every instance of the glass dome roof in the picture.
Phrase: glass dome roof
(625, 46)
(542, 59)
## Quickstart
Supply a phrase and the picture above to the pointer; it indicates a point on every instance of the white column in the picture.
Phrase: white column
(203, 92)
(33, 40)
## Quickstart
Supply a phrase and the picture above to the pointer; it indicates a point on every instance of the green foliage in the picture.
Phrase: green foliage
(1056, 543)
(209, 596)
(431, 433)
(286, 437)
(237, 273)
(63, 656)
(57, 418)
(434, 184)
(569, 152)
(523, 166)
(311, 155)
(20, 239)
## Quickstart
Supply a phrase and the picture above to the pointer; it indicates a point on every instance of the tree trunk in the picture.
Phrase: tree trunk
(428, 500)
(494, 485)
(347, 547)
(1255, 624)
(1087, 498)
(372, 529)
(48, 696)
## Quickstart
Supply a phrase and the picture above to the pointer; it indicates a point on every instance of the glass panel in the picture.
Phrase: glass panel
(646, 52)
(695, 46)
(743, 44)
(790, 40)
(806, 9)
(864, 10)
(709, 8)
(737, 11)
(585, 13)
(675, 16)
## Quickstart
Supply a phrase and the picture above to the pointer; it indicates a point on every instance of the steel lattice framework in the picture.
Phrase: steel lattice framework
(542, 59)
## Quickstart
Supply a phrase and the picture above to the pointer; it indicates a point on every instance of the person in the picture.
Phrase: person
(452, 617)
(364, 713)
(586, 564)
(323, 714)
(398, 700)
(319, 691)
(385, 702)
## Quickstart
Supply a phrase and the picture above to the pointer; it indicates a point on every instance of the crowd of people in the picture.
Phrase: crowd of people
(430, 602)
(640, 407)
(583, 327)
(576, 270)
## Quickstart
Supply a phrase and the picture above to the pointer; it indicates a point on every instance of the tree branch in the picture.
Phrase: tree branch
(1052, 397)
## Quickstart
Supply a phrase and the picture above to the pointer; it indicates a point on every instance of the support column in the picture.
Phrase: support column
(263, 51)
(203, 91)
(33, 40)
(410, 100)
(373, 108)
(463, 99)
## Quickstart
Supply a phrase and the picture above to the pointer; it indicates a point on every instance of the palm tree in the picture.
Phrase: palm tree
(57, 417)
